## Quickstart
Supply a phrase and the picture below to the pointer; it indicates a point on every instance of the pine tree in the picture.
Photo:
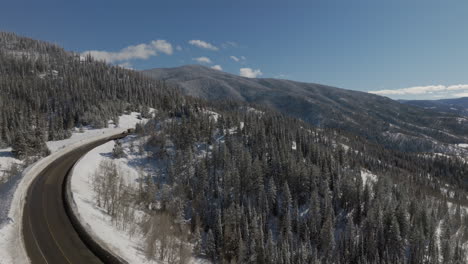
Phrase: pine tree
(327, 237)
(394, 240)
(118, 151)
(272, 194)
(197, 241)
(210, 246)
(20, 147)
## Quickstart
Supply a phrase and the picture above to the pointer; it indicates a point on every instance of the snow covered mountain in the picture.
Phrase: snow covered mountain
(379, 119)
(457, 106)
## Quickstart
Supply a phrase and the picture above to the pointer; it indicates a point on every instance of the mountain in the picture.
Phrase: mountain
(379, 119)
(231, 184)
(457, 106)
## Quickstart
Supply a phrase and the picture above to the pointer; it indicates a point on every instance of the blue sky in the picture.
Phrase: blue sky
(403, 49)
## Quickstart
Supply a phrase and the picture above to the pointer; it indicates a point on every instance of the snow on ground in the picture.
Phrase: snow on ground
(452, 207)
(461, 120)
(463, 145)
(437, 234)
(255, 111)
(213, 115)
(7, 190)
(368, 176)
(448, 192)
(95, 220)
(125, 122)
(6, 160)
(344, 146)
(442, 155)
(12, 193)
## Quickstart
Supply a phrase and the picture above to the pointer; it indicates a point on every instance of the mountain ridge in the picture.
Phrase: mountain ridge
(452, 105)
(378, 118)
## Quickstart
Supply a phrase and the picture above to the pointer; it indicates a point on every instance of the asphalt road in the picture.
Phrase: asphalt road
(49, 234)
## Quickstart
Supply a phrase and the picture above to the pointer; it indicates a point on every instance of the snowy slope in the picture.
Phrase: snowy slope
(95, 220)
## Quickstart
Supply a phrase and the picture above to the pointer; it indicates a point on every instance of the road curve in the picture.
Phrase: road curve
(49, 235)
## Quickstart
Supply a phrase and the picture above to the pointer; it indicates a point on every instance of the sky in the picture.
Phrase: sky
(403, 49)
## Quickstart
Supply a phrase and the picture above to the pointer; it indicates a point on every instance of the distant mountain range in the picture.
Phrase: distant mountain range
(403, 126)
(457, 106)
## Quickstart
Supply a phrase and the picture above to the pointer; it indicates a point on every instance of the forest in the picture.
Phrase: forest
(249, 186)
(264, 188)
(46, 91)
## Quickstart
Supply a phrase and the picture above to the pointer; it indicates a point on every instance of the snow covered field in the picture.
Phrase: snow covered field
(12, 194)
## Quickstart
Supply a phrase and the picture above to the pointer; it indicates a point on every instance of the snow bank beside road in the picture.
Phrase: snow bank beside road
(95, 220)
(97, 223)
(11, 244)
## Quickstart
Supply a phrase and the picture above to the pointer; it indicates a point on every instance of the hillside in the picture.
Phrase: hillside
(377, 118)
(46, 91)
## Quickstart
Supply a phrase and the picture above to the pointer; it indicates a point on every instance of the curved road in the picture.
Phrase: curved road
(49, 235)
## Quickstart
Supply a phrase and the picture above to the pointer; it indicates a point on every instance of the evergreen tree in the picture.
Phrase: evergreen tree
(118, 151)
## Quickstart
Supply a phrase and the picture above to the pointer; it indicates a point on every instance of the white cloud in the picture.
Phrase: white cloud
(422, 90)
(250, 73)
(141, 51)
(126, 65)
(202, 44)
(463, 94)
(162, 46)
(178, 47)
(217, 67)
(241, 59)
(234, 58)
(202, 60)
(457, 87)
(426, 92)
